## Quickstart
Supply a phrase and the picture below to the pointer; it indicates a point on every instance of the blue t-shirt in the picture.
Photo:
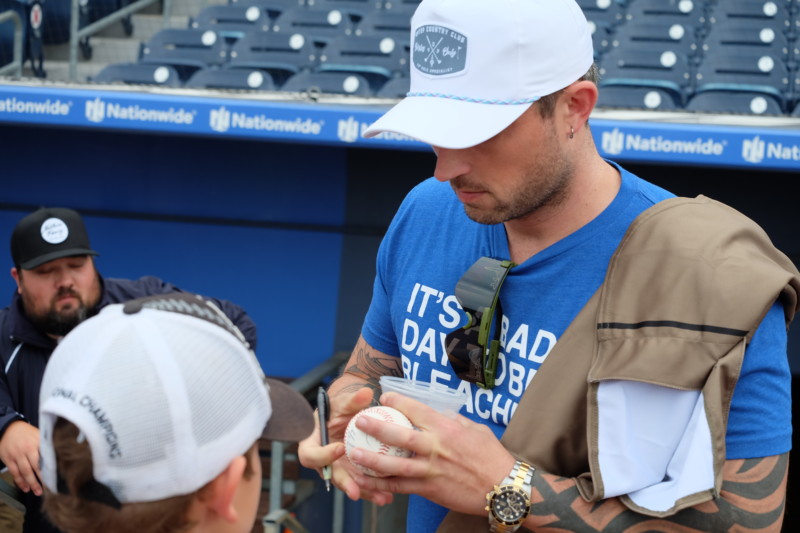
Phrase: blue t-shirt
(431, 243)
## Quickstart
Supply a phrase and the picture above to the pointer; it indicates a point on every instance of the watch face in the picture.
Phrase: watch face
(510, 505)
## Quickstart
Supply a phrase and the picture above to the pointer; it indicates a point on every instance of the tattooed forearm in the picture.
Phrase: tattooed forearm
(752, 499)
(368, 366)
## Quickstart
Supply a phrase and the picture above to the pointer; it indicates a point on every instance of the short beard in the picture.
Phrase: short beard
(59, 324)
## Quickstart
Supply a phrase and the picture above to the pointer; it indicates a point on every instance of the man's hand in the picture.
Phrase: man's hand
(19, 450)
(456, 461)
(344, 405)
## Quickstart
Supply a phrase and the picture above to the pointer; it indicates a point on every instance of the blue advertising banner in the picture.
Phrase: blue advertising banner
(651, 142)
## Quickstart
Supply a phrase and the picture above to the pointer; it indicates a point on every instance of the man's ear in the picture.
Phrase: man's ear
(580, 98)
(16, 274)
(218, 495)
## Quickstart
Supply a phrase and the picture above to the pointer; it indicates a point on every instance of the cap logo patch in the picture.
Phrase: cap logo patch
(439, 51)
(54, 231)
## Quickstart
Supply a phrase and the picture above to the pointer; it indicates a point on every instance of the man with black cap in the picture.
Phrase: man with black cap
(58, 287)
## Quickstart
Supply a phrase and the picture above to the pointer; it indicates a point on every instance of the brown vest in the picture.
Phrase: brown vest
(684, 292)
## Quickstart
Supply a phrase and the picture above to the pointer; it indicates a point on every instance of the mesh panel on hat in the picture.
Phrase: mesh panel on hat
(236, 389)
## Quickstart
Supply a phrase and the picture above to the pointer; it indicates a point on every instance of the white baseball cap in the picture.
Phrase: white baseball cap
(166, 392)
(477, 65)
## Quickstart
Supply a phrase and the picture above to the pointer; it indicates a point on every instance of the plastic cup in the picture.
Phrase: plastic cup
(440, 397)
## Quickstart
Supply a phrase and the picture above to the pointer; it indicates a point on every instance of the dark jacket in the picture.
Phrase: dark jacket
(24, 352)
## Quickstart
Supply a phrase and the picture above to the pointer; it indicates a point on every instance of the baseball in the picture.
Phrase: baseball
(355, 438)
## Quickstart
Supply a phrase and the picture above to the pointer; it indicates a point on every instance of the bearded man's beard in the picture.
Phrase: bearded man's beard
(59, 323)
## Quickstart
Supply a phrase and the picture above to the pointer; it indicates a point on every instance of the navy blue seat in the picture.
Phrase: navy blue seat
(759, 38)
(139, 74)
(376, 58)
(317, 25)
(688, 13)
(187, 50)
(744, 102)
(395, 88)
(773, 13)
(241, 79)
(341, 83)
(407, 6)
(657, 35)
(601, 38)
(607, 13)
(394, 24)
(738, 70)
(637, 97)
(280, 54)
(663, 69)
(355, 8)
(232, 21)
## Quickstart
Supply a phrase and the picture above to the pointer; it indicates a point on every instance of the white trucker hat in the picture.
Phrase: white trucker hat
(477, 65)
(166, 392)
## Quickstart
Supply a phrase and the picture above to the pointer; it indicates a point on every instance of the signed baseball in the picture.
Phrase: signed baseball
(355, 438)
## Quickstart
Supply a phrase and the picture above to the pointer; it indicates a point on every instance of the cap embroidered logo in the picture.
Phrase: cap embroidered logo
(439, 51)
(54, 231)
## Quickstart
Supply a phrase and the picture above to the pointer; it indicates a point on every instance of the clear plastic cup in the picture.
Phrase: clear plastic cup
(440, 397)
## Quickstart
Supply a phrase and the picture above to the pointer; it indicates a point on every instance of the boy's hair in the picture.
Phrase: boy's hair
(71, 512)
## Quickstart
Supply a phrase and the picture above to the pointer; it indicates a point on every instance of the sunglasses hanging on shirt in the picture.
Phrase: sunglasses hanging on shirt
(471, 351)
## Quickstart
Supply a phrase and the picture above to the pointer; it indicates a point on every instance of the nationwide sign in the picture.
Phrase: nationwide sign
(768, 148)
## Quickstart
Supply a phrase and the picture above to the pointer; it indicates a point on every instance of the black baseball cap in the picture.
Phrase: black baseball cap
(46, 234)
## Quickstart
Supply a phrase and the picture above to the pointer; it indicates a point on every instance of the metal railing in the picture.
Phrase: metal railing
(76, 34)
(16, 63)
(278, 518)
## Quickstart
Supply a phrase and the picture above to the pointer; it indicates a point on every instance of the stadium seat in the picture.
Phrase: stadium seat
(742, 70)
(376, 58)
(356, 8)
(757, 38)
(601, 38)
(394, 24)
(633, 97)
(776, 13)
(395, 88)
(608, 13)
(688, 13)
(407, 6)
(187, 50)
(343, 83)
(231, 21)
(654, 34)
(664, 69)
(139, 73)
(242, 79)
(316, 25)
(745, 103)
(280, 54)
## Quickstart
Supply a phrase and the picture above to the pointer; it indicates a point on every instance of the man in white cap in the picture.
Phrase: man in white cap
(150, 418)
(623, 351)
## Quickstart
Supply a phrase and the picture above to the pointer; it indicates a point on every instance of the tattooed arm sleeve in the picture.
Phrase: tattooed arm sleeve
(364, 369)
(752, 499)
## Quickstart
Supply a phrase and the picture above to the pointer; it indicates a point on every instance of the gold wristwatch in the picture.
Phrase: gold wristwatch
(510, 502)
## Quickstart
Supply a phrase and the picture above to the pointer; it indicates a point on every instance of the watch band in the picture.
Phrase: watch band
(517, 486)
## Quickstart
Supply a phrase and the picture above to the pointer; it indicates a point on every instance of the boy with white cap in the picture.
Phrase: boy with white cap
(623, 351)
(150, 418)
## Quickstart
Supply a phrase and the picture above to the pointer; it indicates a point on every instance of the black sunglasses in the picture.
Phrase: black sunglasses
(472, 355)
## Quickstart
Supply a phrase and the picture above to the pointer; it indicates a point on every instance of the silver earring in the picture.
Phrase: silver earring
(571, 132)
